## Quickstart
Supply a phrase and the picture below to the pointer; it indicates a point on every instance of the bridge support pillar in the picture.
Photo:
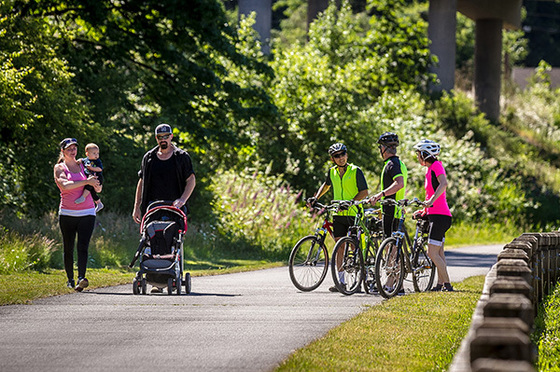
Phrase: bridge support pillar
(442, 16)
(487, 66)
(263, 20)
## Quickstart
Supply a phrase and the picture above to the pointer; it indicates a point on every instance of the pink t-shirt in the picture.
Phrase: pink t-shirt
(440, 205)
(67, 197)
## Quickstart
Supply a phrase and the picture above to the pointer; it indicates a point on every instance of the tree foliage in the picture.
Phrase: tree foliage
(108, 72)
(330, 89)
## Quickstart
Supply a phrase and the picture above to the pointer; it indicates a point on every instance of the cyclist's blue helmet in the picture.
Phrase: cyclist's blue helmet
(336, 147)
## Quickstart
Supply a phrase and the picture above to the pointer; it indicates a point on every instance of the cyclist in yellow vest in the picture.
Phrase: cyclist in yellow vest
(348, 183)
(393, 180)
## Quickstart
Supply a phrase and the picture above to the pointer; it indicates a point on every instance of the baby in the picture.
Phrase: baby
(92, 166)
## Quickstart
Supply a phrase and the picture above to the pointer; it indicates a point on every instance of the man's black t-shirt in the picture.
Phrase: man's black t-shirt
(164, 182)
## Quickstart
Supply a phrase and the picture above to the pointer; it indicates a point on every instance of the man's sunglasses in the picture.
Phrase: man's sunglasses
(164, 137)
(339, 155)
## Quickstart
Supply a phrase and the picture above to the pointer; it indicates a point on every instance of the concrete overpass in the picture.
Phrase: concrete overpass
(491, 16)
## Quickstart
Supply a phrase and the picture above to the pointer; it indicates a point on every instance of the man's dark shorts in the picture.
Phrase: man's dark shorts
(341, 225)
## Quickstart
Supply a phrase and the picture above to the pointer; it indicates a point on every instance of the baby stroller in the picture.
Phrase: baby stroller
(161, 250)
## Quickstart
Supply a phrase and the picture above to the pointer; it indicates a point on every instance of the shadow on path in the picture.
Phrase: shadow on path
(470, 259)
(192, 294)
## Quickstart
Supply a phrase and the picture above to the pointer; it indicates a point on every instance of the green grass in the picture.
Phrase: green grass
(547, 334)
(464, 234)
(417, 332)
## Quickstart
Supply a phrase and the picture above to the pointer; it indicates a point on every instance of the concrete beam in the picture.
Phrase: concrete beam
(509, 11)
(487, 66)
(263, 20)
(442, 17)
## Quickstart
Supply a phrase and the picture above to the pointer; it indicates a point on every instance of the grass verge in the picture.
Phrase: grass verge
(547, 333)
(24, 287)
(417, 332)
(464, 234)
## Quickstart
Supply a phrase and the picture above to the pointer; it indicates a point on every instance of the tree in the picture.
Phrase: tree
(331, 88)
(120, 68)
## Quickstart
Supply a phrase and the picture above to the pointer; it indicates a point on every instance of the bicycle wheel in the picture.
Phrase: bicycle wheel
(423, 270)
(389, 268)
(347, 270)
(370, 286)
(308, 263)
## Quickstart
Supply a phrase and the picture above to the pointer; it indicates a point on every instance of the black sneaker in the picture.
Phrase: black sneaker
(70, 284)
(437, 288)
(447, 287)
(333, 289)
(82, 283)
(401, 292)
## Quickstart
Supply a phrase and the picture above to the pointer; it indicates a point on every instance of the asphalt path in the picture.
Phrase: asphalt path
(238, 322)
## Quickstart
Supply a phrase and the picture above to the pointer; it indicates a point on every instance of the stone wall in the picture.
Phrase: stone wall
(498, 339)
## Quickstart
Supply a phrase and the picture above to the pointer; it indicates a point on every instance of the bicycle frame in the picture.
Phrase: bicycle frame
(353, 254)
(403, 254)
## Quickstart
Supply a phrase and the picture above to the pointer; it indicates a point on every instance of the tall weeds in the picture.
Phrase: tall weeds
(256, 217)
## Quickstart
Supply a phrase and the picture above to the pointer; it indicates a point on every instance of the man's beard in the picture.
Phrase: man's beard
(163, 145)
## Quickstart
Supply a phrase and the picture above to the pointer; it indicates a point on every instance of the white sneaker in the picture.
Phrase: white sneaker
(99, 206)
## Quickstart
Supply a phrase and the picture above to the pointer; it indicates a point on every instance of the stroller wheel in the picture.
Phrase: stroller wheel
(135, 289)
(170, 286)
(187, 283)
(178, 284)
(144, 286)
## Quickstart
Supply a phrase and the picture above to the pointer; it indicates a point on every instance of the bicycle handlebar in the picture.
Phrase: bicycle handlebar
(403, 202)
(346, 204)
(318, 206)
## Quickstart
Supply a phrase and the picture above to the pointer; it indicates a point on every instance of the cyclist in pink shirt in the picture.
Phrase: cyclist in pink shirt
(437, 211)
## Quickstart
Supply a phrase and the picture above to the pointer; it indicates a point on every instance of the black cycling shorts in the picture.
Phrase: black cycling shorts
(439, 224)
(341, 225)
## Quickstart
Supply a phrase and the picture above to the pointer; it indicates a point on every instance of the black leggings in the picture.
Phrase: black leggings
(70, 226)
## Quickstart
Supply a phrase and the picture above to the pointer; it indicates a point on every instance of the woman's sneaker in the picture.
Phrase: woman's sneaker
(82, 283)
(447, 287)
(437, 288)
(70, 284)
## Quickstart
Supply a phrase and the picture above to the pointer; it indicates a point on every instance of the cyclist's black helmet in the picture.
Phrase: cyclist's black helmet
(336, 147)
(388, 139)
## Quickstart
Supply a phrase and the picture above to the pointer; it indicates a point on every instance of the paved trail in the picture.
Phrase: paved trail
(239, 322)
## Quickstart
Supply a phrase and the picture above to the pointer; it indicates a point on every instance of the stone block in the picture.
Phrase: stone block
(515, 254)
(507, 344)
(502, 305)
(514, 268)
(500, 365)
(513, 285)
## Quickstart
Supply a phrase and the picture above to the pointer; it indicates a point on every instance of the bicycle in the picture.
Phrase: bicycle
(397, 257)
(309, 260)
(358, 249)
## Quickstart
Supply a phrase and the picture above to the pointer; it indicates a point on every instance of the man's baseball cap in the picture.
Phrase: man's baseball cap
(163, 128)
(68, 142)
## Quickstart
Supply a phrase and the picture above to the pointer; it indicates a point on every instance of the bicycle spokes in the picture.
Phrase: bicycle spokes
(308, 263)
